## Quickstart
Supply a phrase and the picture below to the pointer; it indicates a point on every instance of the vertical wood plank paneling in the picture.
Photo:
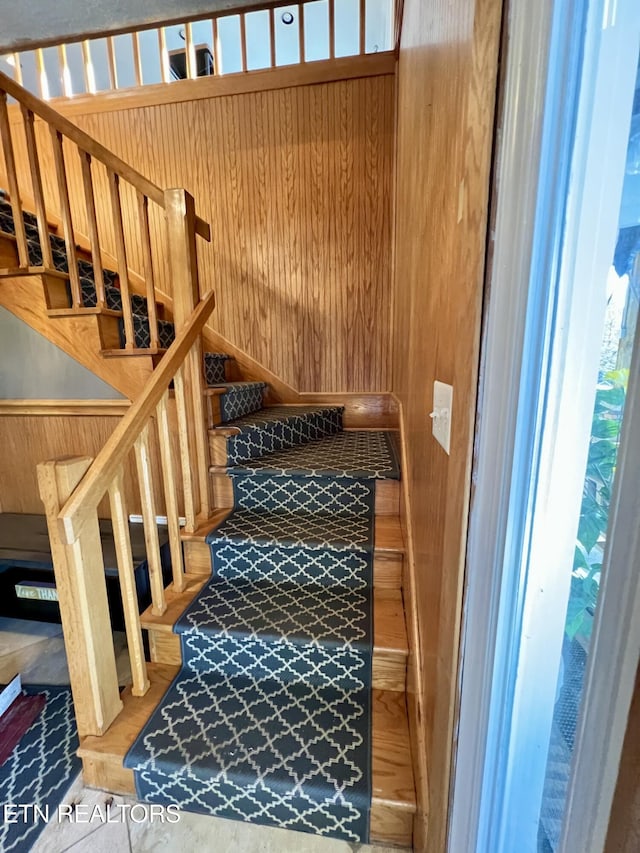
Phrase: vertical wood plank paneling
(446, 96)
(296, 184)
(28, 439)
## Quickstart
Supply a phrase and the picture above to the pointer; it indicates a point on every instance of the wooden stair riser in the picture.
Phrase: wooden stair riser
(213, 409)
(56, 292)
(387, 499)
(109, 331)
(393, 798)
(232, 372)
(218, 453)
(8, 251)
(387, 567)
(197, 558)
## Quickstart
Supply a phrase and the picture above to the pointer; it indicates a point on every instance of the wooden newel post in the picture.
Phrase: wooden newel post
(82, 595)
(181, 230)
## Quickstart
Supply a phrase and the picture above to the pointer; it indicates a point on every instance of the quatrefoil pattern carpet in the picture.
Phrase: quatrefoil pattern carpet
(40, 769)
(269, 719)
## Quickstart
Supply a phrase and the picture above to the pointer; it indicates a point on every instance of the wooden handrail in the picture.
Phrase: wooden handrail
(91, 146)
(86, 497)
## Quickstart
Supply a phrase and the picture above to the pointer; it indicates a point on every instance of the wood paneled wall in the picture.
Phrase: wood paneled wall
(446, 95)
(28, 439)
(623, 835)
(297, 185)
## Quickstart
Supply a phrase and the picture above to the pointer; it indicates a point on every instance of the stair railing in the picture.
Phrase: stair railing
(72, 489)
(201, 55)
(65, 134)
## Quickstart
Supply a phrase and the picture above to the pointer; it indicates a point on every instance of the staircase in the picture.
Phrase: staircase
(275, 690)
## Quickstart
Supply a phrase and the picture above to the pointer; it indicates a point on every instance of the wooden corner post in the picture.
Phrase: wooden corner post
(181, 231)
(82, 595)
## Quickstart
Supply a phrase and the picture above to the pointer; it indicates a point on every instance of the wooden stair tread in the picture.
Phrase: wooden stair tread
(390, 635)
(223, 431)
(390, 648)
(82, 312)
(388, 534)
(393, 794)
(14, 272)
(387, 561)
(391, 759)
(176, 603)
(115, 742)
(123, 353)
(200, 533)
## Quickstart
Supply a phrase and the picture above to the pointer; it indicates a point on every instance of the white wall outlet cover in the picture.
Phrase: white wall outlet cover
(441, 414)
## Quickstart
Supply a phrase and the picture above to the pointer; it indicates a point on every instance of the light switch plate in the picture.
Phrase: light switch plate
(441, 414)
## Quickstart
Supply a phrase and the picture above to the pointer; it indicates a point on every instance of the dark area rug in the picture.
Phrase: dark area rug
(39, 771)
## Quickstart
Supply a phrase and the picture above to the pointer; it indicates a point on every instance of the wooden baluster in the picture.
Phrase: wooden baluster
(145, 238)
(87, 68)
(92, 222)
(272, 37)
(63, 66)
(43, 80)
(243, 42)
(122, 540)
(36, 182)
(217, 58)
(332, 29)
(12, 178)
(363, 26)
(65, 214)
(192, 68)
(82, 595)
(180, 215)
(111, 63)
(164, 55)
(170, 494)
(397, 22)
(301, 31)
(17, 69)
(121, 255)
(147, 496)
(190, 483)
(137, 59)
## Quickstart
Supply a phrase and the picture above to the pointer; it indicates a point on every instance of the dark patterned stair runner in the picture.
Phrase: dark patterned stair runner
(239, 398)
(214, 367)
(269, 718)
(279, 427)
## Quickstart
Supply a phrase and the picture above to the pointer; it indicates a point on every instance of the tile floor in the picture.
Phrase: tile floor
(36, 651)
